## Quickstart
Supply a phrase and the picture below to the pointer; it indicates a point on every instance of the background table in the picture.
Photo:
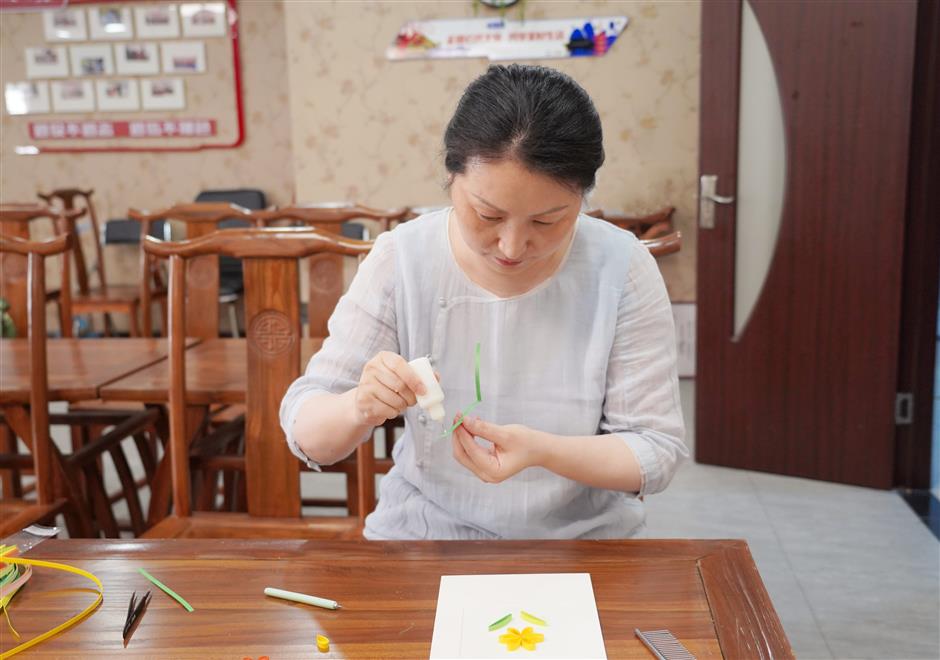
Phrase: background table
(708, 593)
(216, 372)
(77, 367)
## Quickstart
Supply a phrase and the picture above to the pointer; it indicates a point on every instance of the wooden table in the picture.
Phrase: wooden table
(78, 368)
(216, 372)
(708, 593)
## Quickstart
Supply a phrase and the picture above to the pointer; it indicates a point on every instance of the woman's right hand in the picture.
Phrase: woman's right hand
(387, 387)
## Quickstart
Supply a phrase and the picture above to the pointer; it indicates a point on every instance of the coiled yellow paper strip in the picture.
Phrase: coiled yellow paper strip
(62, 626)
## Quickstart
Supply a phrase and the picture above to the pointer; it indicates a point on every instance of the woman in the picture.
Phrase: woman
(580, 412)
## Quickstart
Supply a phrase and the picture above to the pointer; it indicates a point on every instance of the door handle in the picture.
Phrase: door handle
(707, 200)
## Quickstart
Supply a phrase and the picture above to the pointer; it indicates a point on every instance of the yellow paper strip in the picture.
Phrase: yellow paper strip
(62, 626)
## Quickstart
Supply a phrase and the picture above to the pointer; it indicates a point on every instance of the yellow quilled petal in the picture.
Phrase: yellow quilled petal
(527, 645)
(514, 644)
(506, 638)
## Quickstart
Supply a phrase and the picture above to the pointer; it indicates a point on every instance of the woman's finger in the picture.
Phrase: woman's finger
(377, 412)
(402, 395)
(461, 455)
(492, 432)
(383, 395)
(404, 371)
(481, 458)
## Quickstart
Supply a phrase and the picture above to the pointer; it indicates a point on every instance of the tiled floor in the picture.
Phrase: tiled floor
(852, 572)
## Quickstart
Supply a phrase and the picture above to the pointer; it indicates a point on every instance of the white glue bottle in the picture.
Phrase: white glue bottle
(433, 399)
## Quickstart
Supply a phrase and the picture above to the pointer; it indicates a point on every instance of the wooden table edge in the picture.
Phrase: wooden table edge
(746, 623)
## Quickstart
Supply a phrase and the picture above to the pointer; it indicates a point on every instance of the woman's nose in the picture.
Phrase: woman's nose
(512, 244)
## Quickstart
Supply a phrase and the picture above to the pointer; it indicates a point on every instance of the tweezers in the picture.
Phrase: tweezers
(134, 612)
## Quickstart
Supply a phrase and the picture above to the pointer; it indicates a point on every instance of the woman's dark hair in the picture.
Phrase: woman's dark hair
(535, 115)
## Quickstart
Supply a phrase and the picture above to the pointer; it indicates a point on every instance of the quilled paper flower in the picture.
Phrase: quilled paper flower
(527, 639)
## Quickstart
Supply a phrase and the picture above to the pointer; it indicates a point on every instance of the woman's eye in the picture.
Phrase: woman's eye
(544, 224)
(489, 218)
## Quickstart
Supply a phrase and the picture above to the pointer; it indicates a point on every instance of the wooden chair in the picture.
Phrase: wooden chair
(70, 484)
(272, 474)
(19, 513)
(15, 221)
(326, 270)
(325, 273)
(655, 230)
(101, 298)
(200, 219)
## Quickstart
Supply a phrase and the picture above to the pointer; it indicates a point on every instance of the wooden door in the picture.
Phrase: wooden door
(803, 383)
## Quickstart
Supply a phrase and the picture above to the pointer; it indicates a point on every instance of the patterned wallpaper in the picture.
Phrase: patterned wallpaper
(370, 130)
(340, 122)
(154, 180)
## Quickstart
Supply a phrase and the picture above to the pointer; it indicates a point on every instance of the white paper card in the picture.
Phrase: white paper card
(468, 604)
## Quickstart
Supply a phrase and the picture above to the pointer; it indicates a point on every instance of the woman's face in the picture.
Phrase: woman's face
(513, 221)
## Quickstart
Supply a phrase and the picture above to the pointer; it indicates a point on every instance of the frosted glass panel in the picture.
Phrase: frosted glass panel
(761, 169)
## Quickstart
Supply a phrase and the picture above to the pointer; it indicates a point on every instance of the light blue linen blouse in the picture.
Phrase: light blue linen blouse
(590, 350)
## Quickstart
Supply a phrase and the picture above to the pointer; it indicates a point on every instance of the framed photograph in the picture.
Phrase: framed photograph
(163, 94)
(110, 22)
(47, 62)
(183, 56)
(136, 57)
(92, 60)
(65, 25)
(114, 94)
(73, 96)
(157, 22)
(26, 98)
(203, 20)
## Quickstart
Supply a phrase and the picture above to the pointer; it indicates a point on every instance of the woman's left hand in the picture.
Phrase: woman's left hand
(515, 447)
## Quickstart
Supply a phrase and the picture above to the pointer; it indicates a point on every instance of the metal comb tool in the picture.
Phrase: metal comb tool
(663, 645)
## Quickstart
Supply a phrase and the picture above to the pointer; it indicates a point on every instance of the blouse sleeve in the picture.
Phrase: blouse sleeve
(642, 402)
(362, 325)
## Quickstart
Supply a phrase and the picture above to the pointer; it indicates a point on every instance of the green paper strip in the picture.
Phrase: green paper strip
(460, 419)
(531, 618)
(496, 625)
(169, 592)
(479, 400)
(476, 361)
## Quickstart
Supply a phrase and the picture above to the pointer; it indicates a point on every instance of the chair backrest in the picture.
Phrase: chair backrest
(202, 280)
(15, 220)
(272, 313)
(325, 271)
(230, 270)
(71, 199)
(35, 253)
(655, 230)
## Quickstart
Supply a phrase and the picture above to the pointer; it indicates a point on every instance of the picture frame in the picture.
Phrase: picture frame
(183, 57)
(73, 96)
(163, 94)
(92, 60)
(137, 58)
(157, 22)
(206, 19)
(114, 94)
(26, 98)
(65, 25)
(47, 62)
(109, 22)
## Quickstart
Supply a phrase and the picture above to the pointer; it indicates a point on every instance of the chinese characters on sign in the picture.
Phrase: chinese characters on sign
(498, 39)
(138, 128)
